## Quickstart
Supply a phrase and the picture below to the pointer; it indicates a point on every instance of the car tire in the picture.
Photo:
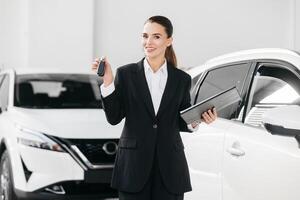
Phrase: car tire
(6, 181)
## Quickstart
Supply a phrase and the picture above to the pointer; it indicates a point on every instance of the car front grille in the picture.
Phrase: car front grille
(97, 151)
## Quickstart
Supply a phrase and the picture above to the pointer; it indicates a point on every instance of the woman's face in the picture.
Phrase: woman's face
(155, 40)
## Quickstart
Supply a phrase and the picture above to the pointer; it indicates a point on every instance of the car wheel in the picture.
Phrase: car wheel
(6, 184)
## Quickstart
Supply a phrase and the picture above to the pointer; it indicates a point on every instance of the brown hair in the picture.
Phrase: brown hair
(166, 23)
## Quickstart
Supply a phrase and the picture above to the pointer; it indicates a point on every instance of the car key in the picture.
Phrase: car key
(101, 67)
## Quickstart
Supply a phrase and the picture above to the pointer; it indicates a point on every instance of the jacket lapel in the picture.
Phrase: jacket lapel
(143, 89)
(142, 86)
(170, 89)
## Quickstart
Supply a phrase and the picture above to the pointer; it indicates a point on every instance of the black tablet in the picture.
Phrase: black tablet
(219, 101)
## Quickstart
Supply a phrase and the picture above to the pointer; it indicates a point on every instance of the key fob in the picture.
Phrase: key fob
(101, 68)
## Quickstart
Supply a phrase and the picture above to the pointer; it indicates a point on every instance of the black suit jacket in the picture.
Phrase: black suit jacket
(144, 132)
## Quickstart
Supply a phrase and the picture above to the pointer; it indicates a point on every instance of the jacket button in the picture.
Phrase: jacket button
(154, 125)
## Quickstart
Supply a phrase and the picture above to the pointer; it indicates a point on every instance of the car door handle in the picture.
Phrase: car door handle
(236, 150)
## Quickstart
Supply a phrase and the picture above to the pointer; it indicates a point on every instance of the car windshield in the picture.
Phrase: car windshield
(57, 91)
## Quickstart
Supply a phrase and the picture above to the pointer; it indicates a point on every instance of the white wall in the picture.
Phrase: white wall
(60, 33)
(202, 29)
(47, 33)
(69, 33)
(297, 25)
(13, 33)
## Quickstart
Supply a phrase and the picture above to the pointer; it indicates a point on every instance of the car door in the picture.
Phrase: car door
(4, 88)
(204, 148)
(257, 164)
(4, 98)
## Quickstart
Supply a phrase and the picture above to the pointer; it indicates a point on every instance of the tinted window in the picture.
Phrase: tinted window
(272, 86)
(4, 90)
(195, 79)
(194, 86)
(57, 91)
(223, 78)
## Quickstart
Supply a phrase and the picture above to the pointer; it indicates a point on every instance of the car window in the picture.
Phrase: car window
(195, 79)
(4, 90)
(272, 87)
(220, 79)
(194, 86)
(1, 78)
(57, 91)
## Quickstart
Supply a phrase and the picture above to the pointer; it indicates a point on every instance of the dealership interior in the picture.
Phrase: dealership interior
(64, 131)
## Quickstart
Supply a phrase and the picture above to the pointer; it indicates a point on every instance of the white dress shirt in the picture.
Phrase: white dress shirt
(156, 83)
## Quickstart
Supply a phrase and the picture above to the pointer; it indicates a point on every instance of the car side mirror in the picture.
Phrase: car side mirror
(283, 120)
(0, 110)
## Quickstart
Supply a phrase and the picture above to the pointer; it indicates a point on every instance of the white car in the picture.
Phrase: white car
(55, 140)
(252, 151)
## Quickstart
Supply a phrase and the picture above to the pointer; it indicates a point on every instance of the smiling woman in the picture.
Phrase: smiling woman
(150, 162)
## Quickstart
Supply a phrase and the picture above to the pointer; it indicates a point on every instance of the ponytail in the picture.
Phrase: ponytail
(170, 56)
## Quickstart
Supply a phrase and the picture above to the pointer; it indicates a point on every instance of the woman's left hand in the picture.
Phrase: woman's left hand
(209, 116)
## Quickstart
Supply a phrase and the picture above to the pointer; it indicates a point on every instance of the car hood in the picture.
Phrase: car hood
(66, 123)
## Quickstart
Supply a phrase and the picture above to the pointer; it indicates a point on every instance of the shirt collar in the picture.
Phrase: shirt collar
(162, 69)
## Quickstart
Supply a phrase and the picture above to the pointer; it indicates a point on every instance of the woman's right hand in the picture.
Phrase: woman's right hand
(108, 76)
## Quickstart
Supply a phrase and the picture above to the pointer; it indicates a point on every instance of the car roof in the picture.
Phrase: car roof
(290, 56)
(193, 72)
(266, 53)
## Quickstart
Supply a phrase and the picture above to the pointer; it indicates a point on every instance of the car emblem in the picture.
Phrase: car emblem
(110, 148)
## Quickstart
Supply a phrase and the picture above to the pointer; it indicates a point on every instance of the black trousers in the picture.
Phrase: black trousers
(154, 189)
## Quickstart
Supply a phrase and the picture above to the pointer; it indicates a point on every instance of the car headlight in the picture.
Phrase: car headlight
(37, 139)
